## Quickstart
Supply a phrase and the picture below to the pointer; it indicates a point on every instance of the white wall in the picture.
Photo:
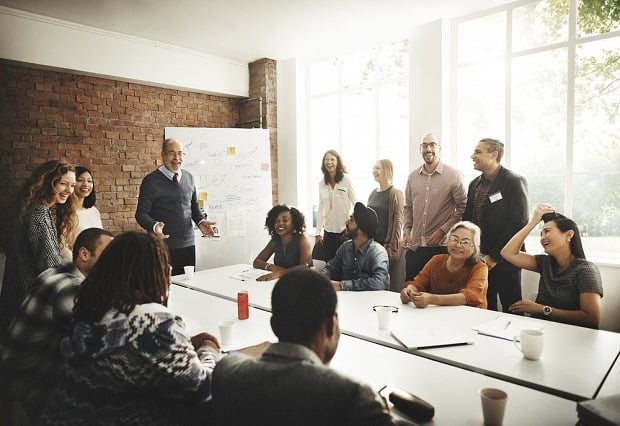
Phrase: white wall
(62, 45)
(291, 134)
(428, 86)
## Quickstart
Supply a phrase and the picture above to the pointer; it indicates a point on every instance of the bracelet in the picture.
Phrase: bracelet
(267, 265)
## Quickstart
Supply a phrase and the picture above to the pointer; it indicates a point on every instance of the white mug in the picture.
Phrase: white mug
(531, 343)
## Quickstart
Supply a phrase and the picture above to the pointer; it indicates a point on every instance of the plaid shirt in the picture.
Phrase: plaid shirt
(432, 201)
(30, 357)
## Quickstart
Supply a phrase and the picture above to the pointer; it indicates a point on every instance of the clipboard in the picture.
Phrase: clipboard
(428, 338)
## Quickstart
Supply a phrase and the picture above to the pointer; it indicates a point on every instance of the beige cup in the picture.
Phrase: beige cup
(227, 332)
(189, 273)
(531, 343)
(384, 317)
(493, 405)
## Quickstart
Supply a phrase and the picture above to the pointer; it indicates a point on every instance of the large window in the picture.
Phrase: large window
(544, 77)
(358, 105)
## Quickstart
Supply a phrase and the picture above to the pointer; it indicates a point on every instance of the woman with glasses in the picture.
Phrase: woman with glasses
(570, 287)
(456, 278)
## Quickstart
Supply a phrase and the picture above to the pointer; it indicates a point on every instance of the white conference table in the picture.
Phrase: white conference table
(218, 282)
(452, 391)
(574, 364)
(611, 386)
(203, 313)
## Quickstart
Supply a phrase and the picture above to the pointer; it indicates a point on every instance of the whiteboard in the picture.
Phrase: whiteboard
(232, 172)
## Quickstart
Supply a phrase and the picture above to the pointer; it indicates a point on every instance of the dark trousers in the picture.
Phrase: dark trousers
(181, 257)
(506, 283)
(331, 242)
(418, 258)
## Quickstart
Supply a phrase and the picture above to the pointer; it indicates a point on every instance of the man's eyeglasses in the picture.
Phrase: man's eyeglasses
(172, 154)
(465, 243)
(431, 145)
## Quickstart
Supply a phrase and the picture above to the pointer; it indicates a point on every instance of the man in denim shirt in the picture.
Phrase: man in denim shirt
(360, 263)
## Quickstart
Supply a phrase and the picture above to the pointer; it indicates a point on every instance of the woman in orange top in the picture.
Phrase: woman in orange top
(456, 278)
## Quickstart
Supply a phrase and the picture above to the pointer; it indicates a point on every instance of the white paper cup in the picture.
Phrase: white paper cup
(493, 405)
(531, 343)
(189, 273)
(227, 332)
(384, 317)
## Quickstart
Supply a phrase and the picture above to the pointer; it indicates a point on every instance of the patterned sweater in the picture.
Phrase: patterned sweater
(130, 370)
(36, 245)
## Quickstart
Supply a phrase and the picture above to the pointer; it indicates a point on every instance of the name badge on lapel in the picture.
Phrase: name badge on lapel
(495, 197)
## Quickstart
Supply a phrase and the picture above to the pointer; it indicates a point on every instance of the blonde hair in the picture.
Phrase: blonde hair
(388, 169)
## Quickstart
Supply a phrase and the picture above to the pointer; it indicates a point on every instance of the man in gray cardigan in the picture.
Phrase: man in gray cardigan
(290, 383)
(167, 205)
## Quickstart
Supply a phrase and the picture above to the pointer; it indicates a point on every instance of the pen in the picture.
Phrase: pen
(507, 324)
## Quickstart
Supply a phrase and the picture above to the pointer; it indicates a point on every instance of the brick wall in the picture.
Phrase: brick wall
(112, 127)
(263, 84)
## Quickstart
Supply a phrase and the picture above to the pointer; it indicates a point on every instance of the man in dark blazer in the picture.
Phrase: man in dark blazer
(291, 384)
(497, 203)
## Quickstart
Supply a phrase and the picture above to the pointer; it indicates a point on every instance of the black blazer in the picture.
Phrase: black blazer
(501, 219)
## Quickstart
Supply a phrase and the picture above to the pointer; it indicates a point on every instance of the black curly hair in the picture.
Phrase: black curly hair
(299, 221)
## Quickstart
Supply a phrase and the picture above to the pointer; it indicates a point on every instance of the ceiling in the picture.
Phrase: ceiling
(247, 30)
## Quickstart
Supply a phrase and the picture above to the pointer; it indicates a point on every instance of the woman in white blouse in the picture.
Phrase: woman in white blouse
(87, 214)
(336, 199)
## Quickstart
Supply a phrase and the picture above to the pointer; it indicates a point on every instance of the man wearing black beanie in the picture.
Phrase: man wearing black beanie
(360, 263)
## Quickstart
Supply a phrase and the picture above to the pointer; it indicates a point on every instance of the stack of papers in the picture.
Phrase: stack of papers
(249, 274)
(507, 327)
(426, 338)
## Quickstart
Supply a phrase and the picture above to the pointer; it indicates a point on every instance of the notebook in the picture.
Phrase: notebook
(426, 338)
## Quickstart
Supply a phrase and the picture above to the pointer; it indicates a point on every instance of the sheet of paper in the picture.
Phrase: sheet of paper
(507, 327)
(249, 274)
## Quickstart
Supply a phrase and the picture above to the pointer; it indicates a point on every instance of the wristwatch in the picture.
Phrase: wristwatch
(547, 311)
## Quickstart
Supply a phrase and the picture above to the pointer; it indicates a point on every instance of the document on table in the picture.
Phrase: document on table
(506, 327)
(426, 338)
(249, 274)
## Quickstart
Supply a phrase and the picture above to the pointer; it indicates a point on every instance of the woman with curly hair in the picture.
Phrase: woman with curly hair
(88, 215)
(129, 358)
(45, 218)
(336, 200)
(286, 226)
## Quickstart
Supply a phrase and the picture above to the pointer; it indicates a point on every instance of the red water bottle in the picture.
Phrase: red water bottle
(243, 308)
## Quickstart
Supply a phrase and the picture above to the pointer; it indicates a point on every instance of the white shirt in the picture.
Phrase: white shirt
(86, 218)
(335, 205)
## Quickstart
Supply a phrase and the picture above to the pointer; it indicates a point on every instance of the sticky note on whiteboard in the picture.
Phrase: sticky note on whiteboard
(231, 150)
